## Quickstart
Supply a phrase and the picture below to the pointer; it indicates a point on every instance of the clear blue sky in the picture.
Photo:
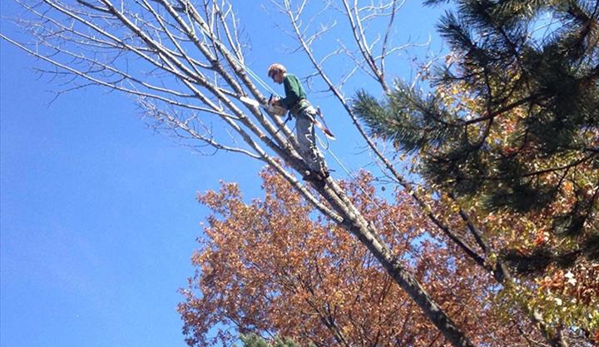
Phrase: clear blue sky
(98, 213)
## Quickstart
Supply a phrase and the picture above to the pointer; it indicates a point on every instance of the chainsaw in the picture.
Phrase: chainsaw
(280, 111)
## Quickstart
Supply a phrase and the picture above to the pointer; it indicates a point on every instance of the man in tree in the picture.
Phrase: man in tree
(305, 114)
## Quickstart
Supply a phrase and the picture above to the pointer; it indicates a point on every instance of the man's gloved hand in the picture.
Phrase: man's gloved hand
(274, 108)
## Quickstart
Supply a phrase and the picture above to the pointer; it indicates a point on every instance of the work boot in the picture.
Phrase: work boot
(314, 177)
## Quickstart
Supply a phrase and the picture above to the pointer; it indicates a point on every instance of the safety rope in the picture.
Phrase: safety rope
(256, 78)
(236, 60)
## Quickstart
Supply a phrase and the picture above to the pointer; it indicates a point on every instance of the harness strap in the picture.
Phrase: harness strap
(299, 106)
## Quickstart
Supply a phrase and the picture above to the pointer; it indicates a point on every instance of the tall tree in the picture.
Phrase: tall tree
(511, 130)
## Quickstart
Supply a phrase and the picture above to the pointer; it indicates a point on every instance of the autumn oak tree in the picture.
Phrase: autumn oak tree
(266, 267)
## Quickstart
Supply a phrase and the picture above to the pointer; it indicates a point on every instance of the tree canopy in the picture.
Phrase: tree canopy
(266, 267)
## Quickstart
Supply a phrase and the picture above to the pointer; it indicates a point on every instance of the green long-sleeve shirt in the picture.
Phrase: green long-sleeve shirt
(293, 91)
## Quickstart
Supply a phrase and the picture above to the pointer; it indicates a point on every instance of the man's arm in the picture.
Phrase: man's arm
(293, 92)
